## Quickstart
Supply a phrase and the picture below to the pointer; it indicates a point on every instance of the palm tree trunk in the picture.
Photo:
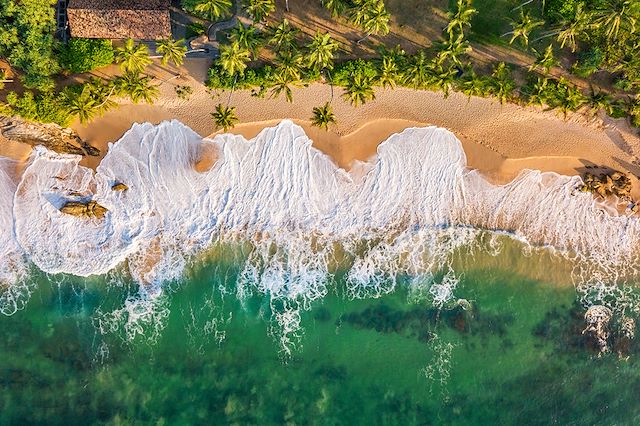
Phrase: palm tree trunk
(235, 80)
(286, 5)
(107, 98)
(6, 81)
(363, 38)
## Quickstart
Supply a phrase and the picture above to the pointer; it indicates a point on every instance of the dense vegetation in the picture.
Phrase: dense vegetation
(83, 55)
(602, 34)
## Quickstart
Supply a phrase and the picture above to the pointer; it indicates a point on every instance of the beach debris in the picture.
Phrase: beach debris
(119, 187)
(604, 185)
(90, 209)
(597, 318)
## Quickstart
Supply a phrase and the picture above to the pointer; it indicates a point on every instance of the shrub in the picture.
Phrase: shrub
(44, 108)
(344, 72)
(558, 10)
(588, 62)
(84, 54)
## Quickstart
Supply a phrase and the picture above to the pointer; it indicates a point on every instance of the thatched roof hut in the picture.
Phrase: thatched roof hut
(120, 19)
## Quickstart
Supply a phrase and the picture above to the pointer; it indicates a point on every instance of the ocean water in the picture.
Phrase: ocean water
(276, 288)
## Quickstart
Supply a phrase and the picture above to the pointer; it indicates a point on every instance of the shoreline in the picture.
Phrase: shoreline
(499, 140)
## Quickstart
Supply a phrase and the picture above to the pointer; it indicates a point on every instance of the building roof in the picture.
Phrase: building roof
(119, 19)
(120, 4)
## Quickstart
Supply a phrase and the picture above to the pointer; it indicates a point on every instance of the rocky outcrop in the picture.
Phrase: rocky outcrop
(616, 183)
(90, 209)
(51, 136)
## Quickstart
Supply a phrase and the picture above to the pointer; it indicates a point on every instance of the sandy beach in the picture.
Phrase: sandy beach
(500, 140)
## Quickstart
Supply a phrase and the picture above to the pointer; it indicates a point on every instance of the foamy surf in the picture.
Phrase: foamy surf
(412, 206)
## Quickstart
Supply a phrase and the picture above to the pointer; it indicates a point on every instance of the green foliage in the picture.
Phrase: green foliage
(323, 116)
(172, 51)
(207, 9)
(346, 71)
(26, 40)
(259, 10)
(84, 54)
(588, 62)
(44, 107)
(132, 57)
(224, 117)
(195, 29)
(559, 10)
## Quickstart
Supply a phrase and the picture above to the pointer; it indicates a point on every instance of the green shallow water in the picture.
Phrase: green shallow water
(517, 356)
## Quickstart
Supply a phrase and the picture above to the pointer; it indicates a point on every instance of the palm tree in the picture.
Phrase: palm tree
(246, 37)
(224, 117)
(544, 60)
(376, 21)
(133, 58)
(538, 94)
(523, 27)
(233, 58)
(598, 100)
(323, 116)
(290, 63)
(101, 94)
(213, 9)
(80, 104)
(472, 85)
(618, 15)
(321, 50)
(259, 10)
(138, 88)
(460, 18)
(359, 90)
(571, 30)
(172, 50)
(417, 74)
(453, 50)
(501, 83)
(283, 36)
(442, 79)
(571, 99)
(282, 84)
(336, 7)
(390, 73)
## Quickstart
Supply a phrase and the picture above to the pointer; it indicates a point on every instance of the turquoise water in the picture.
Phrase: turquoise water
(515, 354)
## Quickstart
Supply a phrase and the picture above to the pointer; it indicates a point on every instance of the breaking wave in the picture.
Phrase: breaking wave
(402, 215)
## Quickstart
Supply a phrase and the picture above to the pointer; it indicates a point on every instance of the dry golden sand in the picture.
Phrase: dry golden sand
(499, 140)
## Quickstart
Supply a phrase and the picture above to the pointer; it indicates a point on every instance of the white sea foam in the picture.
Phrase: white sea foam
(408, 211)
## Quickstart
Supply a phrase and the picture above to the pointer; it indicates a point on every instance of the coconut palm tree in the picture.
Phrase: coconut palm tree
(501, 83)
(442, 79)
(523, 27)
(323, 116)
(389, 73)
(418, 71)
(571, 99)
(224, 117)
(473, 85)
(82, 105)
(336, 7)
(570, 30)
(172, 51)
(538, 94)
(282, 84)
(213, 9)
(461, 18)
(138, 88)
(290, 63)
(321, 50)
(101, 94)
(233, 58)
(599, 100)
(283, 36)
(132, 57)
(452, 50)
(617, 15)
(376, 21)
(544, 60)
(359, 90)
(246, 37)
(259, 10)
